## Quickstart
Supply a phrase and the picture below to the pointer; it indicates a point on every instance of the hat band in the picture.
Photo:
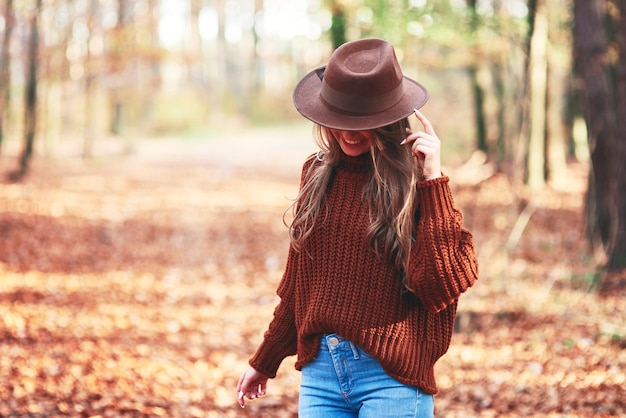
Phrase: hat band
(360, 105)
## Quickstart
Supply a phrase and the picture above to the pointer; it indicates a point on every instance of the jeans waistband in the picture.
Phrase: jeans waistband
(335, 342)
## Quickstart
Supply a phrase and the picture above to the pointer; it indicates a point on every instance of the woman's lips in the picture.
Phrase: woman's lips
(353, 139)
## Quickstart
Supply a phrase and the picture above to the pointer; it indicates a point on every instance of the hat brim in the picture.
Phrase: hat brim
(307, 100)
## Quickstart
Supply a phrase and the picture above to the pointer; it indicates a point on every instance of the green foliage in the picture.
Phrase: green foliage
(451, 28)
(338, 27)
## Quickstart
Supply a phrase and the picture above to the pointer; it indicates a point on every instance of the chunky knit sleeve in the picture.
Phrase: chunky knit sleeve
(442, 262)
(280, 340)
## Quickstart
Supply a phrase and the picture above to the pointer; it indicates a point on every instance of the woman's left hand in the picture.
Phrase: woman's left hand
(426, 147)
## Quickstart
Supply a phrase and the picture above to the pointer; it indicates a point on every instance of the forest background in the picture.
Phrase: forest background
(150, 149)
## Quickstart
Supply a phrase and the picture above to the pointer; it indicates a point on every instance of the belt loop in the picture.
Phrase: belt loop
(355, 351)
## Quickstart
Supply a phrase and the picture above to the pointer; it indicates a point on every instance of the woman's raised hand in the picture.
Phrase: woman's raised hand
(426, 147)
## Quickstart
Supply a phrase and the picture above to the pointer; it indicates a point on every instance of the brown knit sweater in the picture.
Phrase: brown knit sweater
(338, 285)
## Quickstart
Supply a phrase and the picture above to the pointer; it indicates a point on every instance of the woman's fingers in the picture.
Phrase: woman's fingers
(425, 146)
(422, 141)
(251, 385)
(428, 127)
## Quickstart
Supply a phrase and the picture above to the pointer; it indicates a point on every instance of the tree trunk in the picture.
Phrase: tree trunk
(559, 66)
(521, 125)
(617, 257)
(90, 85)
(598, 107)
(5, 67)
(556, 152)
(477, 90)
(257, 83)
(228, 73)
(30, 99)
(497, 72)
(120, 60)
(535, 166)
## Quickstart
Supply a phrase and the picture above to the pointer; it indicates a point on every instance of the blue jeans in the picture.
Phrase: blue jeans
(345, 381)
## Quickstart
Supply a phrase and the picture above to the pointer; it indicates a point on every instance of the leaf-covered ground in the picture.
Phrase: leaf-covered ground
(139, 286)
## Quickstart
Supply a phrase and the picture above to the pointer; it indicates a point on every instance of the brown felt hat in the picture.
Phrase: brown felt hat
(362, 87)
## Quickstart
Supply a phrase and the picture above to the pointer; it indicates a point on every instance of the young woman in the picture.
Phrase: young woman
(378, 255)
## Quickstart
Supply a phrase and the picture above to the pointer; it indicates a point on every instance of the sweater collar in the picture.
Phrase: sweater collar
(359, 164)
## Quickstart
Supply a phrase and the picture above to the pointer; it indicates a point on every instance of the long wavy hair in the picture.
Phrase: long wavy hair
(390, 193)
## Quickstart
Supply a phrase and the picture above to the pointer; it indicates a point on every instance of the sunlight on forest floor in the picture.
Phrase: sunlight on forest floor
(140, 286)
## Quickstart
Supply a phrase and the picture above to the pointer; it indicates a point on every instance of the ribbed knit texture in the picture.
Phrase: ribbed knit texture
(338, 285)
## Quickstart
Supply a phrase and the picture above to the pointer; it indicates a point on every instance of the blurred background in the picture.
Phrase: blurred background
(189, 68)
(148, 149)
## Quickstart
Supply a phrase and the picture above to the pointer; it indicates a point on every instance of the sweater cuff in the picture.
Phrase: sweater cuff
(435, 197)
(267, 359)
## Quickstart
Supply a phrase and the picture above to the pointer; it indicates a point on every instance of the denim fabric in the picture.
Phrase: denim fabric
(345, 381)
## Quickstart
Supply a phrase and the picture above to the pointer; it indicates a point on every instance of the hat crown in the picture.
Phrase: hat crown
(353, 69)
(362, 77)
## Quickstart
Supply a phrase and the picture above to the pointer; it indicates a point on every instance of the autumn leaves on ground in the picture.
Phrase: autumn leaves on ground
(139, 285)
